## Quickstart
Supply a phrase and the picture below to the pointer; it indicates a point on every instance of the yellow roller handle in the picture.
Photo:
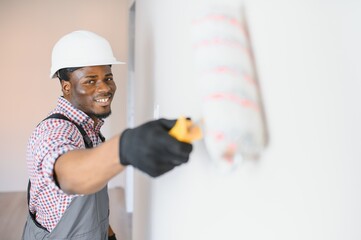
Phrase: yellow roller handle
(185, 130)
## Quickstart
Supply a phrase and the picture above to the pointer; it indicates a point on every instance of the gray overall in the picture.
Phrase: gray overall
(86, 218)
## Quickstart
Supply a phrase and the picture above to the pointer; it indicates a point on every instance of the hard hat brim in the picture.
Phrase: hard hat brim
(53, 72)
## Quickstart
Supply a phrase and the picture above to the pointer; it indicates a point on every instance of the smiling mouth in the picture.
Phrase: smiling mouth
(103, 100)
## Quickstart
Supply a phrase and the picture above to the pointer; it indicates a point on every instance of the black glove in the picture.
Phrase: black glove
(151, 149)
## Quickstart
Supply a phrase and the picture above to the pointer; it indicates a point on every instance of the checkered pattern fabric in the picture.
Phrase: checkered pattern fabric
(51, 139)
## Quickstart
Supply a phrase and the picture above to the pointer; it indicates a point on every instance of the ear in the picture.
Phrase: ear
(65, 87)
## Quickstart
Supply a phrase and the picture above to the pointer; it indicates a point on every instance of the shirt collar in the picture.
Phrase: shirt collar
(77, 115)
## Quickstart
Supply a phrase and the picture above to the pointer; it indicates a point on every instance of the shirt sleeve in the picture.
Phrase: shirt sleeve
(58, 137)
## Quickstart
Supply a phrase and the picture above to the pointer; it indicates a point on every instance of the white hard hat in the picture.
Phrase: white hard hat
(80, 49)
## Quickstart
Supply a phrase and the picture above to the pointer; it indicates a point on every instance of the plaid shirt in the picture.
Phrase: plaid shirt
(51, 139)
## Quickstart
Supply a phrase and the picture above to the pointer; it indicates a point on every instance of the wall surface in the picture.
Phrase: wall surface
(28, 30)
(307, 183)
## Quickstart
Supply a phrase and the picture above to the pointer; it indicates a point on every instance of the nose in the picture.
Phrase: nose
(103, 87)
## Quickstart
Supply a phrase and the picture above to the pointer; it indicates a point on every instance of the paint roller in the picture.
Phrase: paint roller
(233, 121)
(232, 117)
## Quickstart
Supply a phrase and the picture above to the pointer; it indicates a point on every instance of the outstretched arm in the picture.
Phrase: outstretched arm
(86, 171)
(149, 148)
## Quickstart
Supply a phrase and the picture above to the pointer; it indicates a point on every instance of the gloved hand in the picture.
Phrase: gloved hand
(151, 149)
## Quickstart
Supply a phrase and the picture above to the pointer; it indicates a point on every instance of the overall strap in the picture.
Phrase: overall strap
(87, 141)
(88, 144)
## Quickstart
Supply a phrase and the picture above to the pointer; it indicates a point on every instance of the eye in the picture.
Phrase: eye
(109, 79)
(90, 82)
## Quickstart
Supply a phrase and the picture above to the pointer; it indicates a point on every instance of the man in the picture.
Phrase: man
(69, 165)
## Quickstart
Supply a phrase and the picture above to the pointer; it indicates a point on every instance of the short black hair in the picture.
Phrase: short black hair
(63, 74)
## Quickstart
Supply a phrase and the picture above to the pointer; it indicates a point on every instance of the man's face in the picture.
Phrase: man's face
(91, 89)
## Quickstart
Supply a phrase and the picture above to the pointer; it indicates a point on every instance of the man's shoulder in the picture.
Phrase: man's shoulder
(52, 133)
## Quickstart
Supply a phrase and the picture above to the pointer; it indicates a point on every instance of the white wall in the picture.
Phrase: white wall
(307, 183)
(28, 30)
